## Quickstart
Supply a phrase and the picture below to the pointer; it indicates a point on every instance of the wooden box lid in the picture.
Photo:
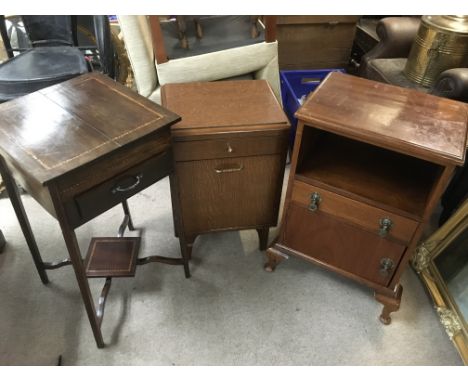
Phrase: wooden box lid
(223, 106)
(55, 130)
(400, 119)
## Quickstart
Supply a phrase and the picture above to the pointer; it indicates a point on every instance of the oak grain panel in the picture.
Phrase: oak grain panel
(214, 201)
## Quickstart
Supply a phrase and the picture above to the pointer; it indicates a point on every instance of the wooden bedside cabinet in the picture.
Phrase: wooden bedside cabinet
(229, 152)
(369, 165)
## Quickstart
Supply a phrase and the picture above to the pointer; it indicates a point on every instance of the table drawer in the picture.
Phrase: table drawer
(340, 245)
(104, 196)
(361, 214)
(229, 147)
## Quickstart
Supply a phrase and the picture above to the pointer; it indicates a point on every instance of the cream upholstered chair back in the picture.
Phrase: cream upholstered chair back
(259, 59)
(138, 43)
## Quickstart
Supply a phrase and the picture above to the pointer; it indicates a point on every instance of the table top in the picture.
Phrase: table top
(388, 116)
(55, 130)
(223, 106)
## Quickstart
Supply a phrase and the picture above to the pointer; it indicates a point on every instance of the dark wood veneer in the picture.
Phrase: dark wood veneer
(80, 148)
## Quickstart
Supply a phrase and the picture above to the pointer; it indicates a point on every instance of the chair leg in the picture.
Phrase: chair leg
(2, 241)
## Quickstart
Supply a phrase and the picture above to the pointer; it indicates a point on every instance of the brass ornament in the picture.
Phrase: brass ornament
(423, 256)
(450, 321)
(441, 44)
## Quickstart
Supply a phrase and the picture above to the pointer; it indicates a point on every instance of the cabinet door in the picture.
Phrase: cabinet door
(341, 245)
(230, 193)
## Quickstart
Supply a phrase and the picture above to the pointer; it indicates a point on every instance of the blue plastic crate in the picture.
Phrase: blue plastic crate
(295, 87)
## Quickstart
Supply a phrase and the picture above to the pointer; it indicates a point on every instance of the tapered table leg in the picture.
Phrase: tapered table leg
(78, 266)
(18, 206)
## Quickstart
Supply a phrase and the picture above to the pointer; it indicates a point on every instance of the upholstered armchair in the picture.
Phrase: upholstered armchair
(386, 61)
(148, 47)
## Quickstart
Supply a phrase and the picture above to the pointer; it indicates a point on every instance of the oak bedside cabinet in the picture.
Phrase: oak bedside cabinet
(229, 153)
(369, 165)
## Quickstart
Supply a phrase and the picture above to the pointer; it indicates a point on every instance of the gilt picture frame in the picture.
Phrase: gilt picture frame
(448, 245)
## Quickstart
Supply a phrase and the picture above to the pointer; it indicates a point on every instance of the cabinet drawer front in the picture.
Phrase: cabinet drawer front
(230, 193)
(361, 214)
(100, 198)
(341, 245)
(229, 147)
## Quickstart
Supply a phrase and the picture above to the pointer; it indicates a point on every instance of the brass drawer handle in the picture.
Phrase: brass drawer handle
(231, 169)
(315, 200)
(385, 225)
(120, 188)
(386, 265)
(229, 148)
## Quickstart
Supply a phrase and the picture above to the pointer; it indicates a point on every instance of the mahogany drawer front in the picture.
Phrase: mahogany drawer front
(229, 147)
(230, 193)
(361, 214)
(340, 245)
(104, 196)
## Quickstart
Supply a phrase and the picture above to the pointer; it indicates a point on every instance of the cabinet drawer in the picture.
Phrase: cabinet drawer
(229, 147)
(104, 196)
(338, 244)
(230, 193)
(361, 214)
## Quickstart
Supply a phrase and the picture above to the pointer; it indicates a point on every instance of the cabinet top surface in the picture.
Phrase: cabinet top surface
(223, 106)
(66, 126)
(392, 117)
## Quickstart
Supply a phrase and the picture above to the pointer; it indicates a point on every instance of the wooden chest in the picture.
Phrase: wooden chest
(229, 153)
(369, 165)
(315, 42)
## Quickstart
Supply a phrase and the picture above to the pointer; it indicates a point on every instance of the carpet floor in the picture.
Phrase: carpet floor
(230, 312)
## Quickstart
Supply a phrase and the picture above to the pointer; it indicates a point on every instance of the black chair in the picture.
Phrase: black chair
(54, 55)
(50, 54)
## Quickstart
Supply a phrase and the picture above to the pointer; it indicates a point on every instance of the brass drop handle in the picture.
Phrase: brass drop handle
(385, 225)
(120, 188)
(386, 265)
(315, 200)
(229, 148)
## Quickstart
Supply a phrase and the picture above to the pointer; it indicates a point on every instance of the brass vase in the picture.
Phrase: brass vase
(441, 44)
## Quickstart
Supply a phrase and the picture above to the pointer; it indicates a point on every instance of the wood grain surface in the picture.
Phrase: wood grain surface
(355, 212)
(226, 105)
(339, 244)
(53, 131)
(245, 197)
(392, 117)
(385, 178)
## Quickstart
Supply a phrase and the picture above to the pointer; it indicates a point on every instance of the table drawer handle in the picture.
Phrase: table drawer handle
(229, 169)
(385, 225)
(315, 200)
(120, 188)
(386, 266)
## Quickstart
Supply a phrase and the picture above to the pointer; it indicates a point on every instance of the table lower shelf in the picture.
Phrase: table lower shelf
(112, 257)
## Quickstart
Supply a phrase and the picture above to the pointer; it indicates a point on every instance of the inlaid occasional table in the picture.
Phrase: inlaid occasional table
(79, 148)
